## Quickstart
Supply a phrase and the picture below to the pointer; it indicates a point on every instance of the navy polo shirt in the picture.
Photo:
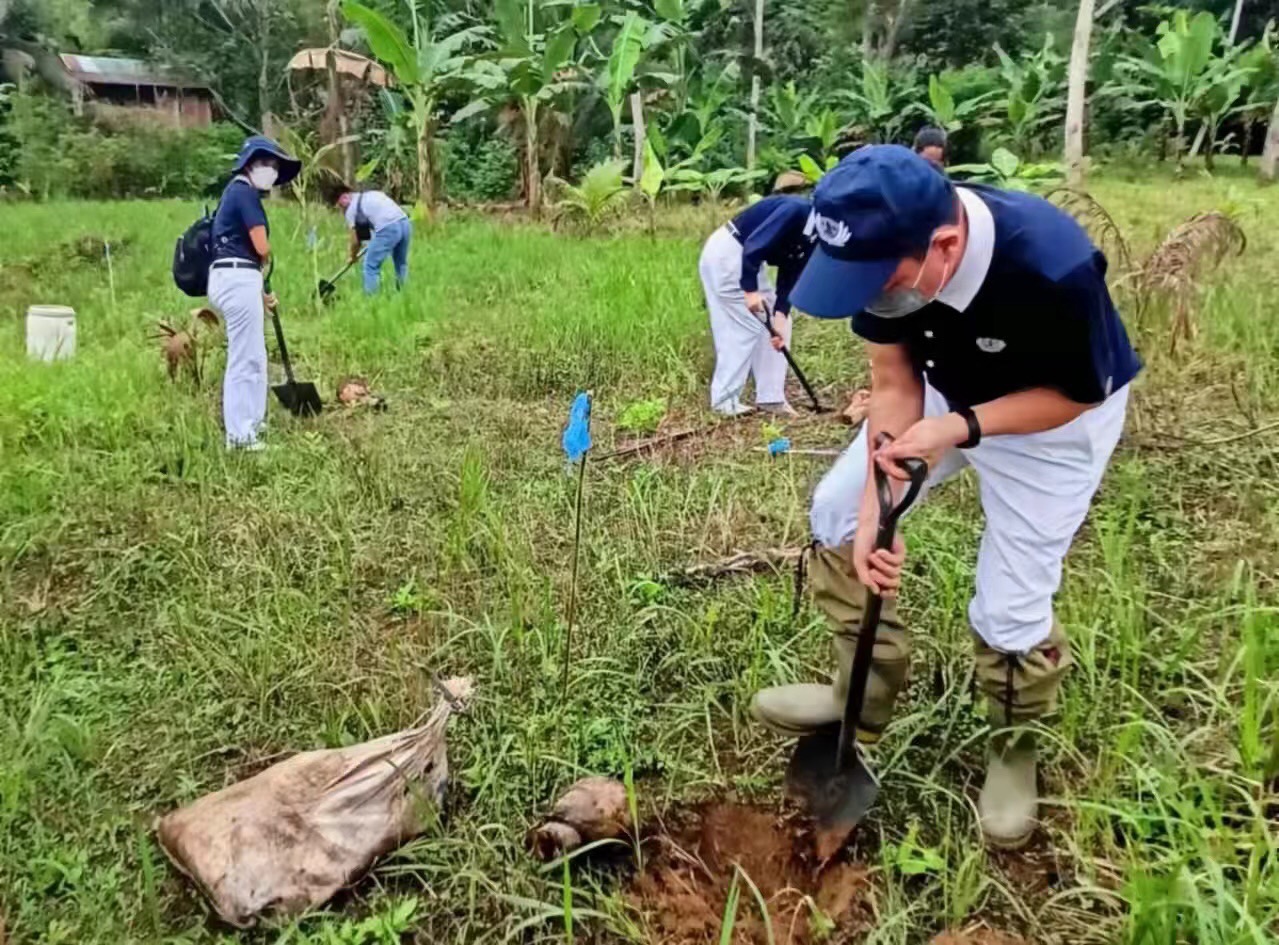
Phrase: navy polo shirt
(1040, 315)
(239, 211)
(772, 232)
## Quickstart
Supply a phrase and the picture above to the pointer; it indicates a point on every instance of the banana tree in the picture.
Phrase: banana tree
(943, 111)
(530, 70)
(619, 73)
(877, 101)
(1174, 74)
(1224, 81)
(425, 68)
(1033, 94)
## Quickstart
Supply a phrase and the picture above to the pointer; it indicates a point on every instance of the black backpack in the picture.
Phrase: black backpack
(193, 255)
(363, 228)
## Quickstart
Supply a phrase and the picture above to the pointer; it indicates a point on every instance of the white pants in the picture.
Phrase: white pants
(742, 344)
(236, 294)
(1035, 491)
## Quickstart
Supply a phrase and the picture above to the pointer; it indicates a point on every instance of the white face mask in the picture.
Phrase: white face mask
(898, 303)
(263, 176)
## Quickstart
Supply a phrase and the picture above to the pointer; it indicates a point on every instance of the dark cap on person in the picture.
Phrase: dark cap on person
(876, 207)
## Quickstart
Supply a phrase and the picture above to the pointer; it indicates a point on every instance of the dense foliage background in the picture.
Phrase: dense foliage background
(832, 74)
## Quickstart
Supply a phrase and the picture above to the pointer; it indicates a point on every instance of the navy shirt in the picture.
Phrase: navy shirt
(772, 232)
(240, 211)
(1042, 317)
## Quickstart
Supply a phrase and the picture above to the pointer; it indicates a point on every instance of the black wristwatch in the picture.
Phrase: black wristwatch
(974, 428)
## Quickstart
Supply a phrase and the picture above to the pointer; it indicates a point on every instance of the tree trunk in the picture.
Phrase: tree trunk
(641, 132)
(264, 73)
(889, 45)
(1209, 156)
(426, 167)
(1234, 22)
(752, 128)
(868, 29)
(1076, 94)
(1247, 140)
(532, 166)
(337, 106)
(1270, 154)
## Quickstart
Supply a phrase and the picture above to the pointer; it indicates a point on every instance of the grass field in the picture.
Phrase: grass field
(171, 616)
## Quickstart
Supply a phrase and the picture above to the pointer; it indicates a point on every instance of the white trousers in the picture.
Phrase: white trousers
(236, 294)
(1035, 491)
(742, 345)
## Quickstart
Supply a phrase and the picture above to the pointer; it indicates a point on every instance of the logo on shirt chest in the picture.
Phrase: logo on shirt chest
(992, 345)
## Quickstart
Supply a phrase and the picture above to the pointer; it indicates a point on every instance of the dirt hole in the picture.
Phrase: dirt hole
(690, 872)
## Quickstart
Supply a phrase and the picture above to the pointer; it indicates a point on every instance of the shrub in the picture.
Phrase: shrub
(60, 155)
(478, 166)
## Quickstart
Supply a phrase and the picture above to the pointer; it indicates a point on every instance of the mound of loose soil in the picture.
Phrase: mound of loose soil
(685, 885)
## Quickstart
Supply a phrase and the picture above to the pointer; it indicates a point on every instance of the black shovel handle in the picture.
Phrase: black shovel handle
(808, 388)
(343, 271)
(863, 656)
(279, 331)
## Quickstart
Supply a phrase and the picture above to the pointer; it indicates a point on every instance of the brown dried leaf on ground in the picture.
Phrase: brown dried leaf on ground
(742, 562)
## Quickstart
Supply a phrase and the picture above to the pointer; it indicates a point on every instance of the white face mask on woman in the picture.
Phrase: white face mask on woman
(263, 176)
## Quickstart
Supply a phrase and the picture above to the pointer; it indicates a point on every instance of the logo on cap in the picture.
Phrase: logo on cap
(833, 232)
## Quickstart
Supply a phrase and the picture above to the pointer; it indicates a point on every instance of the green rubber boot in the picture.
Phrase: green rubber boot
(802, 708)
(1020, 688)
(1008, 805)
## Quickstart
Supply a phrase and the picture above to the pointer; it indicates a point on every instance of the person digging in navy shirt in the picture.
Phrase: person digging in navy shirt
(993, 343)
(241, 248)
(772, 232)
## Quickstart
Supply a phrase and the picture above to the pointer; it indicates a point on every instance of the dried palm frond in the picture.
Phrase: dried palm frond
(1174, 271)
(1096, 219)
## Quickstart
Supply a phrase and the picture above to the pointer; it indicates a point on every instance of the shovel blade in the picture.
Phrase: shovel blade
(326, 289)
(836, 799)
(299, 398)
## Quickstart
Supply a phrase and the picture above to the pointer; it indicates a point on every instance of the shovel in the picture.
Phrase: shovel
(299, 398)
(327, 287)
(828, 770)
(767, 321)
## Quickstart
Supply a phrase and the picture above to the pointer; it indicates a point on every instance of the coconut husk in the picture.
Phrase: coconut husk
(592, 809)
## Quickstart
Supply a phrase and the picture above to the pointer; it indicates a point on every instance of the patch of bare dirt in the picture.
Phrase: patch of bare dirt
(685, 886)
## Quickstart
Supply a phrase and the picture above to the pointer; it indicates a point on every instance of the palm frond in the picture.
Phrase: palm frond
(1096, 219)
(1174, 272)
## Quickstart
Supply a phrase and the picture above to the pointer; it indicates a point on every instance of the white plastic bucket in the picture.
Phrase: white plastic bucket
(50, 332)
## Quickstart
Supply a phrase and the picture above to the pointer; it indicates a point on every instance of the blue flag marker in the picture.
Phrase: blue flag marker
(577, 435)
(779, 446)
(312, 238)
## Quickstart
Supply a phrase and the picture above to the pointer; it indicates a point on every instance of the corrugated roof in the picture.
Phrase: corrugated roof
(106, 70)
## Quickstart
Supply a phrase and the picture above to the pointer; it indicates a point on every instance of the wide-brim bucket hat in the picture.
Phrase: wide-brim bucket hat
(259, 145)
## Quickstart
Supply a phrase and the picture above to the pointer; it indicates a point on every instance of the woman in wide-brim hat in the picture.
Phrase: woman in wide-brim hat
(241, 250)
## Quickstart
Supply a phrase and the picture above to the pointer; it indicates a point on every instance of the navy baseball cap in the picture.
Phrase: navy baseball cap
(879, 205)
(290, 166)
